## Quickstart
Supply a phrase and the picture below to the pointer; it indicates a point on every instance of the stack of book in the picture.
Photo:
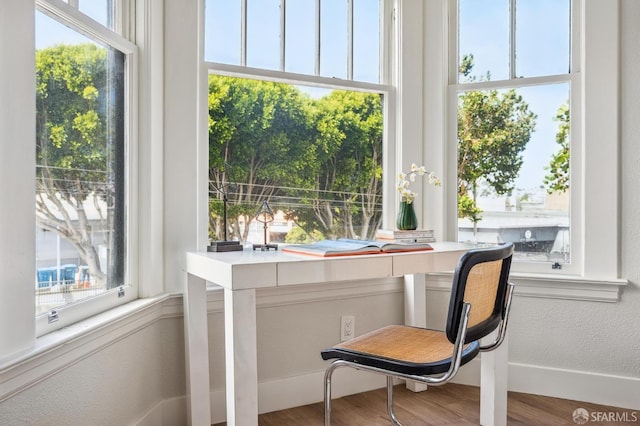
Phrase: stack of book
(414, 236)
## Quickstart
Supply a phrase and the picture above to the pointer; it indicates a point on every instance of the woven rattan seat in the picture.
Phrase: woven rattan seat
(394, 348)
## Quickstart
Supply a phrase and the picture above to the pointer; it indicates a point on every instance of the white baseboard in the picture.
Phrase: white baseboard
(273, 396)
(169, 412)
(615, 391)
(305, 389)
(309, 388)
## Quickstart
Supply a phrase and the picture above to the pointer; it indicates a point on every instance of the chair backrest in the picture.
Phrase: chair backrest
(480, 279)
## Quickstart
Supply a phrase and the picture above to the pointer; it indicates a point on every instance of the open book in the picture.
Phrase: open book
(348, 247)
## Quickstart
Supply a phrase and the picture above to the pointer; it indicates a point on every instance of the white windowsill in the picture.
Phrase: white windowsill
(564, 287)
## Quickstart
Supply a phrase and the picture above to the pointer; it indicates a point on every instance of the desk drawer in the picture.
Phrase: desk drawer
(331, 270)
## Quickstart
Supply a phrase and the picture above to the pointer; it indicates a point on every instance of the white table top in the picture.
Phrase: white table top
(258, 269)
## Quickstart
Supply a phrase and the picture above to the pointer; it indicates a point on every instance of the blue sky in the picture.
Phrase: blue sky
(49, 32)
(263, 32)
(542, 38)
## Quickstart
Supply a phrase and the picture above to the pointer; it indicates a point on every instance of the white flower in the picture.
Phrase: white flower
(404, 180)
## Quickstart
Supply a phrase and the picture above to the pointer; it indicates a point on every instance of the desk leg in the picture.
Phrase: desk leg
(197, 351)
(415, 311)
(493, 385)
(241, 357)
(415, 306)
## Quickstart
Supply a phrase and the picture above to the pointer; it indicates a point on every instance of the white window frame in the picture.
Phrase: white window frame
(72, 17)
(595, 190)
(390, 148)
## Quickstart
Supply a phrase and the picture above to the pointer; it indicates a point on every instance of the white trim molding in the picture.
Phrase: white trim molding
(550, 286)
(567, 287)
(580, 386)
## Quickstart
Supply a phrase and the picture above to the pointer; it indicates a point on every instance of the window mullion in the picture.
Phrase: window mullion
(453, 34)
(283, 33)
(575, 34)
(243, 33)
(512, 39)
(317, 56)
(110, 17)
(507, 84)
(349, 39)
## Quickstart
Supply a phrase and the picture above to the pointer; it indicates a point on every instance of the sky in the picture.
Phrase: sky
(50, 32)
(222, 22)
(485, 35)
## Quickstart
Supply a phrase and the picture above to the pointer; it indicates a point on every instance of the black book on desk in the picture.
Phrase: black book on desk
(222, 246)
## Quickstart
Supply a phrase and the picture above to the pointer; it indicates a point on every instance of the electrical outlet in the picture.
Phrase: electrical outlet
(347, 327)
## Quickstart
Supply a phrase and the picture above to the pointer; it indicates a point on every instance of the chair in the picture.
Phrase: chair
(479, 304)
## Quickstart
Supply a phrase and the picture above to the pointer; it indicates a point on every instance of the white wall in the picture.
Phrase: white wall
(180, 137)
(572, 349)
(17, 129)
(115, 385)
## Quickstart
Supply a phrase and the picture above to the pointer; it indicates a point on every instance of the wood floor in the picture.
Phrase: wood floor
(451, 404)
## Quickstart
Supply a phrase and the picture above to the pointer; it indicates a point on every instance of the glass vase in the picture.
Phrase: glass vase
(407, 219)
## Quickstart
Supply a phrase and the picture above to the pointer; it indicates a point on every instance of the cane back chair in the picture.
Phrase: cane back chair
(479, 304)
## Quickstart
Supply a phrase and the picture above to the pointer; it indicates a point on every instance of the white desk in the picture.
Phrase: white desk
(241, 273)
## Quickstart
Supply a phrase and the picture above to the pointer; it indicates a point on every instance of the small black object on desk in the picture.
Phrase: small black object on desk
(265, 216)
(223, 188)
(220, 246)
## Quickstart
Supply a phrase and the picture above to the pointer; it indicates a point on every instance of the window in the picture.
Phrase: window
(330, 38)
(589, 76)
(81, 162)
(516, 93)
(297, 119)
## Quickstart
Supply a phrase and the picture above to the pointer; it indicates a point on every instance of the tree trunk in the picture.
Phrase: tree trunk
(77, 232)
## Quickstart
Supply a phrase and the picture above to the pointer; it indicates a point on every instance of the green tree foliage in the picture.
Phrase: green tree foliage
(262, 129)
(493, 130)
(467, 208)
(284, 147)
(557, 178)
(71, 146)
(298, 235)
(349, 153)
